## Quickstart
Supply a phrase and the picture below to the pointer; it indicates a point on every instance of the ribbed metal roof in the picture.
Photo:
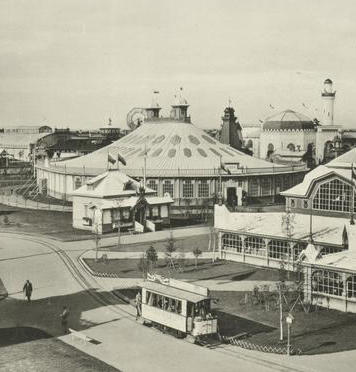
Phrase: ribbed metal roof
(169, 145)
(288, 119)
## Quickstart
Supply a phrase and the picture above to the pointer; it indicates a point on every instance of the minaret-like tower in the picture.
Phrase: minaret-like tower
(152, 112)
(231, 132)
(179, 109)
(328, 98)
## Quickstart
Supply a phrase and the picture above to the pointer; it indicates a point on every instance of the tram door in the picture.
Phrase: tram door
(231, 197)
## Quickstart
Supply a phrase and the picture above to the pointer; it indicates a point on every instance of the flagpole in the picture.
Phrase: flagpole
(144, 168)
(352, 221)
(220, 178)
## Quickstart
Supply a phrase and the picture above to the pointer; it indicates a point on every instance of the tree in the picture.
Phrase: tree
(170, 250)
(142, 266)
(152, 257)
(197, 252)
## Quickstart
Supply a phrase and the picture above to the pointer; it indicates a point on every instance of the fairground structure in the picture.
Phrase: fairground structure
(317, 232)
(176, 158)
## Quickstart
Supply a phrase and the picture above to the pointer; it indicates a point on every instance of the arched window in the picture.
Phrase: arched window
(77, 183)
(249, 144)
(333, 196)
(168, 188)
(188, 189)
(152, 184)
(270, 147)
(203, 189)
(291, 147)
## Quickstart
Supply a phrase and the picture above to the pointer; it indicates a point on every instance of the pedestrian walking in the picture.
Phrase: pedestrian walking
(138, 301)
(27, 290)
(64, 319)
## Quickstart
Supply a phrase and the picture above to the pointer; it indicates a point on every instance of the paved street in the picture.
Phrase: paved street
(125, 344)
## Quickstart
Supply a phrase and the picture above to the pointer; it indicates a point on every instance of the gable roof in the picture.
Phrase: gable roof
(304, 188)
(109, 184)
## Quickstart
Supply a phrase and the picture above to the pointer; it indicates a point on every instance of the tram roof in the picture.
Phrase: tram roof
(170, 291)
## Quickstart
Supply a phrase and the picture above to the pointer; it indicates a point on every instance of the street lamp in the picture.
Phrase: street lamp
(289, 321)
(97, 217)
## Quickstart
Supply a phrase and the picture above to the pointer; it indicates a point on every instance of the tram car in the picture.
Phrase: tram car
(178, 305)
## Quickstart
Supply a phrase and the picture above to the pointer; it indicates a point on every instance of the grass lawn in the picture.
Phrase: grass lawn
(128, 268)
(39, 353)
(319, 331)
(55, 224)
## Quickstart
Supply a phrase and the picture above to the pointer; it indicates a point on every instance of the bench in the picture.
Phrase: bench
(79, 335)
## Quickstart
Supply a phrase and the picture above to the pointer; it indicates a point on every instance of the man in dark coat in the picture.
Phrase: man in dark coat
(138, 302)
(27, 289)
(64, 319)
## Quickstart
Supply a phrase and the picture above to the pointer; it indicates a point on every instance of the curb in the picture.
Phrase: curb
(116, 292)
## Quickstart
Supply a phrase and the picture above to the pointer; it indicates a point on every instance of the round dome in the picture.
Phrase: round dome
(288, 120)
(169, 146)
(328, 81)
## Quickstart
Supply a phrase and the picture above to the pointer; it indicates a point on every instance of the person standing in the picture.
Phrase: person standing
(27, 289)
(138, 304)
(64, 319)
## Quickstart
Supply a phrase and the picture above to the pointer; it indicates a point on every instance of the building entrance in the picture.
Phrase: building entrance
(231, 197)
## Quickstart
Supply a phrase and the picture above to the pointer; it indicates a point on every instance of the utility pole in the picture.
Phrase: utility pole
(280, 312)
(118, 230)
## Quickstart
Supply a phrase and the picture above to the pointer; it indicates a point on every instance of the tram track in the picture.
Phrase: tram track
(99, 297)
(75, 273)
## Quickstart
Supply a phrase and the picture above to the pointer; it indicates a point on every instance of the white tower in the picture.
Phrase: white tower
(328, 97)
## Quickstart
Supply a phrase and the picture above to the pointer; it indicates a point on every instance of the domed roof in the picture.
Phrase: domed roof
(170, 146)
(328, 81)
(288, 119)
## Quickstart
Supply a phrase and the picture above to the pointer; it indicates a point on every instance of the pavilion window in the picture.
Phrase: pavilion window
(278, 249)
(255, 246)
(328, 282)
(77, 183)
(231, 242)
(203, 189)
(152, 184)
(253, 187)
(188, 189)
(266, 185)
(351, 286)
(168, 188)
(333, 196)
(155, 211)
(125, 214)
(329, 250)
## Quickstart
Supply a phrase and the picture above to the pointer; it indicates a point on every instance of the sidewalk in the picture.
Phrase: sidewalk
(15, 200)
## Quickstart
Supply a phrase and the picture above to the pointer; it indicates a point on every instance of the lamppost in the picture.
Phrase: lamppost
(95, 229)
(289, 321)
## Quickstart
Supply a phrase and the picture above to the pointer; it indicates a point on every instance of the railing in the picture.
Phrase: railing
(138, 172)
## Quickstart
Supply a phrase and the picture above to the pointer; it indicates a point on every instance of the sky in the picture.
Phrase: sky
(75, 63)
